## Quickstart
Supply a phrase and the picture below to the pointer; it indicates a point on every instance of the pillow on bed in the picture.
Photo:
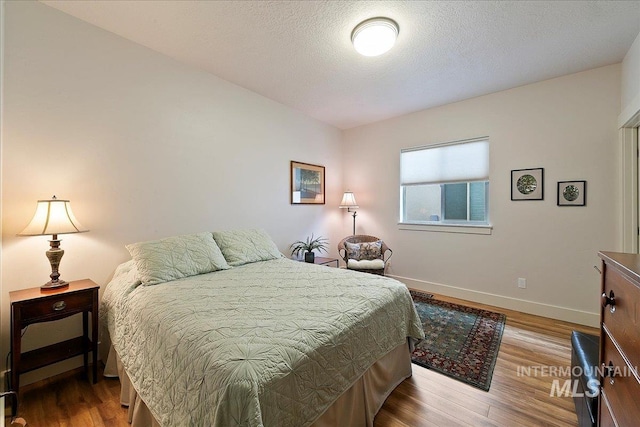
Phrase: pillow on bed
(176, 257)
(245, 246)
(364, 251)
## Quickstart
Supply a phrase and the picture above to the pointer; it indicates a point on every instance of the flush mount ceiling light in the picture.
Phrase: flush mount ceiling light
(374, 36)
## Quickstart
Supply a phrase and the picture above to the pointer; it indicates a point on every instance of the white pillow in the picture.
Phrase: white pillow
(245, 246)
(365, 264)
(163, 260)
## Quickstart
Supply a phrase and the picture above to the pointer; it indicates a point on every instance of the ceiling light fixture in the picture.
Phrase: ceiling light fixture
(374, 36)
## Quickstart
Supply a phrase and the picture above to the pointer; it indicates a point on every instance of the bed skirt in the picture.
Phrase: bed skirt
(355, 407)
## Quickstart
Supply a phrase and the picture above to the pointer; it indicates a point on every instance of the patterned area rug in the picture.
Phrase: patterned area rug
(461, 342)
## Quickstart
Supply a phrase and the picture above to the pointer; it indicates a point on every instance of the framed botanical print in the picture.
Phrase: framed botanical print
(307, 184)
(572, 193)
(527, 184)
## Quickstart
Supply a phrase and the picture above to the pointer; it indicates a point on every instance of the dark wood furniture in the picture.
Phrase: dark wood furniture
(323, 261)
(34, 305)
(620, 340)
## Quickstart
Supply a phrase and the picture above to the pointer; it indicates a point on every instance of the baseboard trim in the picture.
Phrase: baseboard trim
(530, 307)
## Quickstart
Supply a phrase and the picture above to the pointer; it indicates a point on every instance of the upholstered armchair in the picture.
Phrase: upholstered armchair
(365, 253)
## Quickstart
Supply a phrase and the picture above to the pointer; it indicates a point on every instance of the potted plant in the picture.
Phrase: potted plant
(307, 247)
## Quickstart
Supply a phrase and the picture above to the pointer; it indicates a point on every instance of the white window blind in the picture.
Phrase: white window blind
(456, 162)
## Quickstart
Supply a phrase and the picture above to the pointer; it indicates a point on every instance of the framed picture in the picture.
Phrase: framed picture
(527, 184)
(307, 184)
(572, 193)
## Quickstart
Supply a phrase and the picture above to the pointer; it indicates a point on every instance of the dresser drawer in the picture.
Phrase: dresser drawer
(624, 322)
(606, 419)
(55, 307)
(622, 395)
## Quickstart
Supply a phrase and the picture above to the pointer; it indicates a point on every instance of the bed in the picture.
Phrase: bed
(259, 341)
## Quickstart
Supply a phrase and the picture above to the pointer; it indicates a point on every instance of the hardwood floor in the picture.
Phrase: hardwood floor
(431, 399)
(425, 399)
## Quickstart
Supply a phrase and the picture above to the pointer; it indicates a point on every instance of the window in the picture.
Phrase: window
(445, 184)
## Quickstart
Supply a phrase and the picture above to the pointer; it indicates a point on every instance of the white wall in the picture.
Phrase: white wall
(630, 97)
(567, 126)
(144, 147)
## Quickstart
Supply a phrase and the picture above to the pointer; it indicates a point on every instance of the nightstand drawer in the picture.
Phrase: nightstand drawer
(55, 307)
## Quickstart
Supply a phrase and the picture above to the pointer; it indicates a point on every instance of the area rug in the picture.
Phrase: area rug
(461, 342)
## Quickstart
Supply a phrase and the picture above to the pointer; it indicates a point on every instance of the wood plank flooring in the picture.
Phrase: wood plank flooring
(431, 399)
(425, 399)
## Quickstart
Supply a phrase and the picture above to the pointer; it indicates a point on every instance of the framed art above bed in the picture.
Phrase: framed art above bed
(307, 184)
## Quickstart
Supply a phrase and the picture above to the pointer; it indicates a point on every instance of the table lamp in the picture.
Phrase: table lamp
(53, 217)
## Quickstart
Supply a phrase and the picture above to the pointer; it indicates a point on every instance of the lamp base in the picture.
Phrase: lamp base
(54, 285)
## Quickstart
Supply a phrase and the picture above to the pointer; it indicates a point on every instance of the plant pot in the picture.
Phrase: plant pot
(309, 257)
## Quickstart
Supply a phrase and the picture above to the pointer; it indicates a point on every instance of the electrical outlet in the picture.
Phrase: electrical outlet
(522, 283)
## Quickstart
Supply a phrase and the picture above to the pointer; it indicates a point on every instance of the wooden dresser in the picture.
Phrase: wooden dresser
(620, 340)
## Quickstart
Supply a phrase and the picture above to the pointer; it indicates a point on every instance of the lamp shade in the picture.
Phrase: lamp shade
(348, 201)
(53, 217)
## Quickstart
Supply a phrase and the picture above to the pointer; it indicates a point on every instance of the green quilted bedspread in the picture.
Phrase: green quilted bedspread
(269, 343)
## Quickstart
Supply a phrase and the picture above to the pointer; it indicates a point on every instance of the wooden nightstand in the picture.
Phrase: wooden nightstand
(322, 261)
(29, 306)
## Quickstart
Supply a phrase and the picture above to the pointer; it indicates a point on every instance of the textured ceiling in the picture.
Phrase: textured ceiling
(299, 53)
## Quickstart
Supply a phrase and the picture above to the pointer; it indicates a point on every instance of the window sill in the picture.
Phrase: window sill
(448, 228)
